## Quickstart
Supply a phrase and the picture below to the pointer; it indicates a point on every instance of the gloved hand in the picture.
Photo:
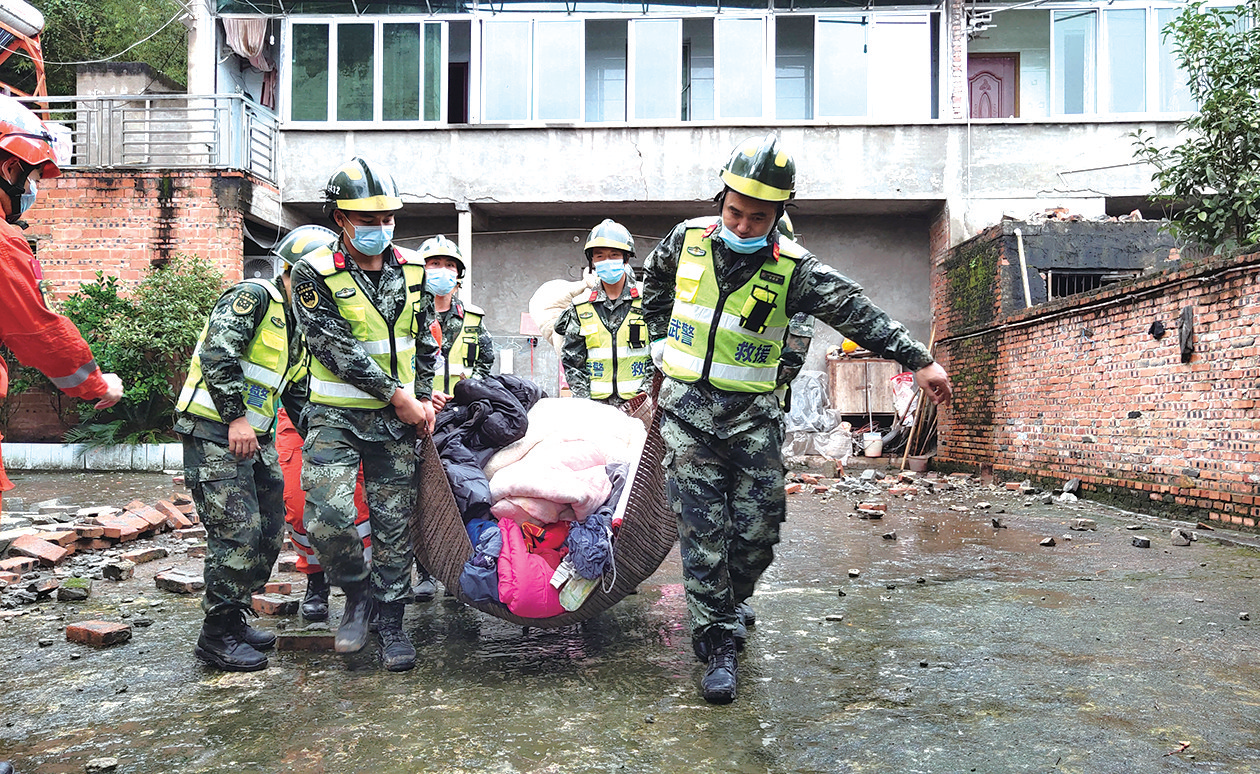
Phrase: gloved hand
(658, 354)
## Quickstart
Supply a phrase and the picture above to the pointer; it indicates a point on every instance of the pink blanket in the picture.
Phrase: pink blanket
(556, 480)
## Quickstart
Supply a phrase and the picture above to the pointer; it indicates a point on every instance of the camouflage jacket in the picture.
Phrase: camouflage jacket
(452, 321)
(231, 327)
(330, 341)
(613, 312)
(815, 288)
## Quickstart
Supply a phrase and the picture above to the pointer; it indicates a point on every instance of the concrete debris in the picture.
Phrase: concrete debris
(1068, 497)
(890, 535)
(997, 524)
(1048, 542)
(1141, 542)
(1181, 538)
(853, 573)
(1080, 525)
(1072, 486)
(1244, 616)
(983, 506)
(101, 765)
(835, 618)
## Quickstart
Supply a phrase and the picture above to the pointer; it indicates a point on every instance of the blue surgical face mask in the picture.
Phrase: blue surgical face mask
(372, 240)
(440, 282)
(742, 246)
(610, 272)
(28, 197)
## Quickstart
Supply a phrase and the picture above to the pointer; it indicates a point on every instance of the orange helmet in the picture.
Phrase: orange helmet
(23, 135)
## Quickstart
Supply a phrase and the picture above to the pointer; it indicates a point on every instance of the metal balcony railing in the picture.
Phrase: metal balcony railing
(172, 131)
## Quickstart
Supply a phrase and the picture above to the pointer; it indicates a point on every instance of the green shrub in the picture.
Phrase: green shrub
(148, 343)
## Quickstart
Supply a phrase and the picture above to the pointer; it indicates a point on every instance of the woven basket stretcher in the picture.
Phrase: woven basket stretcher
(647, 534)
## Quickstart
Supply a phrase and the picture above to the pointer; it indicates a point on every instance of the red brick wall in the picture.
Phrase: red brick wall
(1079, 388)
(120, 222)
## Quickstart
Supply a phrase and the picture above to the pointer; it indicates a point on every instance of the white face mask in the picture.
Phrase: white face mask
(440, 281)
(610, 271)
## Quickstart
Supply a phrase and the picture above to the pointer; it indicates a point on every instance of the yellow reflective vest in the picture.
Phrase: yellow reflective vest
(458, 363)
(265, 365)
(616, 361)
(732, 340)
(390, 343)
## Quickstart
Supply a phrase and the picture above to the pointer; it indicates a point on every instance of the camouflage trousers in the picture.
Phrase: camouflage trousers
(728, 497)
(241, 504)
(330, 468)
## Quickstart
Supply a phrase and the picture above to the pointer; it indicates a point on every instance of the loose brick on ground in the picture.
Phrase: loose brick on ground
(9, 578)
(98, 633)
(287, 563)
(278, 587)
(143, 555)
(95, 544)
(305, 640)
(178, 582)
(18, 564)
(62, 537)
(275, 604)
(191, 532)
(46, 553)
(118, 571)
(43, 586)
(89, 530)
(155, 518)
(793, 488)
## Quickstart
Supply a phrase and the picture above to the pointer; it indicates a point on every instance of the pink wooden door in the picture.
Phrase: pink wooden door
(993, 85)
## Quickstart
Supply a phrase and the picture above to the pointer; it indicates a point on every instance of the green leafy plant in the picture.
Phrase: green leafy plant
(148, 340)
(1212, 176)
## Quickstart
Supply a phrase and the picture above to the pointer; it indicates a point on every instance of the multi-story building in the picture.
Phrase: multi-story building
(514, 126)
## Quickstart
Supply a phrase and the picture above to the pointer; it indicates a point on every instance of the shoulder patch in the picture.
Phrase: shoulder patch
(245, 303)
(307, 295)
(345, 293)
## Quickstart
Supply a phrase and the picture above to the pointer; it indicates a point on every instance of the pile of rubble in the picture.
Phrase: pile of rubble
(54, 549)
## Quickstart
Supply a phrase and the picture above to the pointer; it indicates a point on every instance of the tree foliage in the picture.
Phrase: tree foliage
(1214, 172)
(147, 338)
(88, 30)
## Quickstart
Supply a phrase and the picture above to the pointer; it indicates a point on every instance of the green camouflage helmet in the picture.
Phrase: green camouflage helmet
(361, 186)
(612, 234)
(298, 243)
(758, 169)
(441, 246)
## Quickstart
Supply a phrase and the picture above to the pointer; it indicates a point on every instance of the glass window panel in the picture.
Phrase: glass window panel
(794, 67)
(900, 68)
(842, 66)
(558, 70)
(697, 102)
(355, 55)
(505, 55)
(309, 91)
(606, 70)
(657, 68)
(740, 65)
(1174, 89)
(1074, 56)
(1126, 60)
(400, 72)
(433, 71)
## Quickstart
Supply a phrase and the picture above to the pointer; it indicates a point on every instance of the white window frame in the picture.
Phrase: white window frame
(378, 97)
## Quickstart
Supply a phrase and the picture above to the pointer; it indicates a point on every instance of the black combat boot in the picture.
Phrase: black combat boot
(718, 684)
(315, 603)
(397, 652)
(426, 587)
(352, 634)
(222, 644)
(258, 639)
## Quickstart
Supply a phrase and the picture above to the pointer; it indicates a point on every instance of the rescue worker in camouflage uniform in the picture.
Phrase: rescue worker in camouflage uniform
(362, 306)
(247, 356)
(718, 295)
(467, 350)
(606, 353)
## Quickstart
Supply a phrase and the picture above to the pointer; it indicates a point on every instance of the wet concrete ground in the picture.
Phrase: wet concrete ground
(961, 648)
